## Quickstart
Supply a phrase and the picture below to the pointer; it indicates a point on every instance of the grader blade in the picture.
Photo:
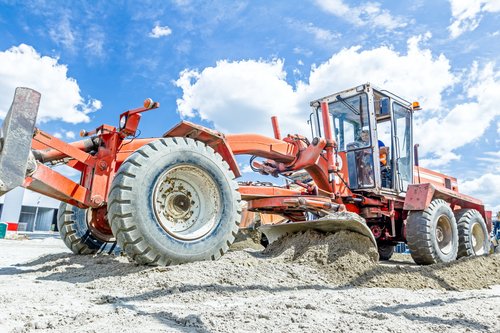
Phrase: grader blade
(331, 223)
(15, 138)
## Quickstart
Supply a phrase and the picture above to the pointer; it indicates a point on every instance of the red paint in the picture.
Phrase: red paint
(12, 226)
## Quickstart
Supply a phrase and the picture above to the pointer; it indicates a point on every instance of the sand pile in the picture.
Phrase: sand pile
(309, 258)
(463, 274)
(349, 259)
(296, 286)
(247, 239)
(343, 256)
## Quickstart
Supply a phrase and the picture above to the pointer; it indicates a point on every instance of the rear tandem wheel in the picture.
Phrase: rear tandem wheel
(473, 238)
(431, 234)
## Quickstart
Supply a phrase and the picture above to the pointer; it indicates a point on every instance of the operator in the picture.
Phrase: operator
(364, 161)
(365, 139)
(385, 170)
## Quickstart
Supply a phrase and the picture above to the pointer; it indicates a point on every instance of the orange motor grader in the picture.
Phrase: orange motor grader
(176, 199)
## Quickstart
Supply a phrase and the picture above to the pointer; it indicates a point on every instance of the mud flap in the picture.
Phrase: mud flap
(15, 138)
(331, 223)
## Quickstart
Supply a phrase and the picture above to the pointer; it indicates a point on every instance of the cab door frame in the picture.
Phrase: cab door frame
(399, 185)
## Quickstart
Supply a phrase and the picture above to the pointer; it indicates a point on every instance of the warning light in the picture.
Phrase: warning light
(148, 103)
(416, 106)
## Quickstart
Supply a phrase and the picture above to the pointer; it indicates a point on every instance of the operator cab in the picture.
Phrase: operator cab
(373, 132)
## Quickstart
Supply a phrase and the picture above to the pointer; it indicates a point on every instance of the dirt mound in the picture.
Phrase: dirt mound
(349, 259)
(321, 248)
(247, 239)
(342, 256)
(466, 273)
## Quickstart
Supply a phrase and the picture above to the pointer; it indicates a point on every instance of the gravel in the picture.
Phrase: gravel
(305, 282)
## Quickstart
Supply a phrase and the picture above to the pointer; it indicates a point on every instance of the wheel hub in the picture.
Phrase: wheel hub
(178, 206)
(186, 202)
(98, 224)
(444, 234)
(478, 238)
(439, 234)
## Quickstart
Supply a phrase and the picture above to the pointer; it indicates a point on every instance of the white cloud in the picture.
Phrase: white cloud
(320, 34)
(184, 4)
(70, 134)
(61, 100)
(467, 121)
(438, 161)
(96, 42)
(467, 14)
(367, 14)
(243, 95)
(159, 31)
(492, 157)
(96, 104)
(385, 68)
(298, 50)
(485, 187)
(63, 133)
(246, 169)
(237, 96)
(63, 34)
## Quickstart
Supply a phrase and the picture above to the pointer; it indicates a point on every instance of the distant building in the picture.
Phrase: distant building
(30, 210)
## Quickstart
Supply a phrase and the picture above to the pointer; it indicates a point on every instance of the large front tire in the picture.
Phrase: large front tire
(473, 238)
(174, 201)
(432, 235)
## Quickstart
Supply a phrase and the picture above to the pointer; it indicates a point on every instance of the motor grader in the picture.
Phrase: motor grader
(176, 199)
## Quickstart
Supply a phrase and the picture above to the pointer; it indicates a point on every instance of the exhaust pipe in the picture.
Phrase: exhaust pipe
(15, 139)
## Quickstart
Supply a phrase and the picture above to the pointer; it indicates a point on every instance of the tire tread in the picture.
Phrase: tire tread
(120, 212)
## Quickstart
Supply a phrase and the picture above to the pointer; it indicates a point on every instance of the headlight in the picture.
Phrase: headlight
(123, 121)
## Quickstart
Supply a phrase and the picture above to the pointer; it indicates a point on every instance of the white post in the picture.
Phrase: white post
(36, 213)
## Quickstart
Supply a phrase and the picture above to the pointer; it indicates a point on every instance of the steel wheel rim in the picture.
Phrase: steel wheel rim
(444, 234)
(187, 202)
(477, 239)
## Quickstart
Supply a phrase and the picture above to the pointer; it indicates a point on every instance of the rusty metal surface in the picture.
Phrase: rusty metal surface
(17, 132)
(331, 223)
(99, 225)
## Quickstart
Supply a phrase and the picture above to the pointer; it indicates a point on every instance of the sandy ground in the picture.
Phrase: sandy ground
(298, 286)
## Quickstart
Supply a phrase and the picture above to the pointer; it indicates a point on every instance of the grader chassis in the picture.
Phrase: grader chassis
(175, 199)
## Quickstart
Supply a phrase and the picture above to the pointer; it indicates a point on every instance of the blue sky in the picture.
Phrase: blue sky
(231, 65)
